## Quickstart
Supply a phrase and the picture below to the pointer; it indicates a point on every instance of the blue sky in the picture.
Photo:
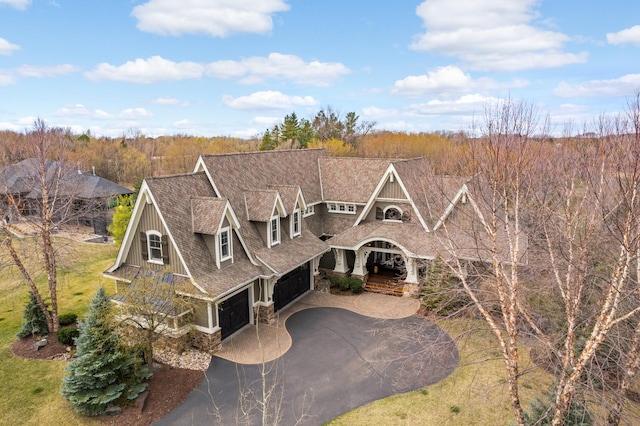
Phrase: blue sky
(236, 67)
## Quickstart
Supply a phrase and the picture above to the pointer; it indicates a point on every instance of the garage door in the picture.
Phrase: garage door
(291, 286)
(234, 313)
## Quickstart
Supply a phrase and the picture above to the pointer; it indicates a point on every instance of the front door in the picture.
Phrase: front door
(234, 313)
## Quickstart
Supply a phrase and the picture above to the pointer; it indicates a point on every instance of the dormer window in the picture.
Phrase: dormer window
(308, 211)
(295, 223)
(155, 247)
(275, 230)
(225, 248)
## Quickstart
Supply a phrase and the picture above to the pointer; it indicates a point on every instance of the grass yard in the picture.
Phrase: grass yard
(30, 389)
(475, 394)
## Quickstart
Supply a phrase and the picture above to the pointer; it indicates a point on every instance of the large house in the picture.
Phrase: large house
(80, 197)
(246, 234)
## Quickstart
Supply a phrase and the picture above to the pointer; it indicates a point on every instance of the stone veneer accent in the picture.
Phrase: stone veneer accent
(210, 343)
(172, 344)
(265, 314)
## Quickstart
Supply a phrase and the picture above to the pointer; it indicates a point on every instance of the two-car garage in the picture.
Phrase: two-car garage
(235, 312)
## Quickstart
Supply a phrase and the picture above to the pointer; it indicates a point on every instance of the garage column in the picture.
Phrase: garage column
(412, 271)
(341, 261)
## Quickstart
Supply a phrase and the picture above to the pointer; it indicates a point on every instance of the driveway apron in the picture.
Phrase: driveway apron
(339, 360)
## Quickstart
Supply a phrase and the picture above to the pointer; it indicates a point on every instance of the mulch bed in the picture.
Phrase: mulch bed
(168, 387)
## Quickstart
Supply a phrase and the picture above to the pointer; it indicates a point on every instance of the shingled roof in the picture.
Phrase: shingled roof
(254, 177)
(173, 196)
(22, 178)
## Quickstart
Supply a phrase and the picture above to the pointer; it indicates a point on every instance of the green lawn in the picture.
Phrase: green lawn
(30, 389)
(474, 394)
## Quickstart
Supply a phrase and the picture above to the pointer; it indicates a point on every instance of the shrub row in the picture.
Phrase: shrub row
(347, 283)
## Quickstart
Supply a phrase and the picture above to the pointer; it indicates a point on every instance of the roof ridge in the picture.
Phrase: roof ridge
(175, 175)
(273, 151)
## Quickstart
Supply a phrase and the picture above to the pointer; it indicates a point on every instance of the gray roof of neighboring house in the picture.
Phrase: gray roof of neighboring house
(23, 178)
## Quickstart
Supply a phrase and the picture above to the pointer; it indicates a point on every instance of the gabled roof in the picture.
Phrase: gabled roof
(207, 214)
(234, 175)
(350, 179)
(260, 204)
(289, 194)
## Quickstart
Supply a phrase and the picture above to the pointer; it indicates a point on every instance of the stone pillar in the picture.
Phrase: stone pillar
(265, 313)
(341, 261)
(209, 343)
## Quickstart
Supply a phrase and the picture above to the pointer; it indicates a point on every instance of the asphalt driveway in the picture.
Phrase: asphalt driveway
(339, 360)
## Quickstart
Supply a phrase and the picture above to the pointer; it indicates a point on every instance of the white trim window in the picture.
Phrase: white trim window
(308, 211)
(274, 231)
(225, 246)
(392, 214)
(344, 208)
(154, 246)
(295, 223)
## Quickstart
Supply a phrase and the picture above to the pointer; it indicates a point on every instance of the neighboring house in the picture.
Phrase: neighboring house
(246, 234)
(80, 197)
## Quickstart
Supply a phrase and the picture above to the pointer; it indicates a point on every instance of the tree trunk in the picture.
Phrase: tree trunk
(27, 277)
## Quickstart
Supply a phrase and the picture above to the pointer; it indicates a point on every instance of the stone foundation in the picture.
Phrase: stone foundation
(172, 344)
(265, 314)
(209, 343)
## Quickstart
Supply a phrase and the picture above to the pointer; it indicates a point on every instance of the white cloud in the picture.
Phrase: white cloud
(50, 71)
(82, 111)
(265, 121)
(217, 18)
(145, 71)
(183, 124)
(464, 105)
(277, 65)
(447, 81)
(169, 101)
(268, 100)
(629, 35)
(7, 48)
(492, 34)
(621, 86)
(134, 114)
(6, 79)
(18, 4)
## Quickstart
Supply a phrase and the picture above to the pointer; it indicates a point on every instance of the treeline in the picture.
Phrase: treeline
(128, 159)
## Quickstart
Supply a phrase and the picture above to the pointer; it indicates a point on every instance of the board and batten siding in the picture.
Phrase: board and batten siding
(392, 191)
(150, 221)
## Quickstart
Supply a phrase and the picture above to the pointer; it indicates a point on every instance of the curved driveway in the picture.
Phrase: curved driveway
(339, 360)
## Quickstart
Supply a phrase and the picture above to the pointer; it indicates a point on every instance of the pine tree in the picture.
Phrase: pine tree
(34, 320)
(103, 371)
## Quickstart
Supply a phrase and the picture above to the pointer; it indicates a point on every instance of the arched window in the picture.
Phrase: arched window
(393, 214)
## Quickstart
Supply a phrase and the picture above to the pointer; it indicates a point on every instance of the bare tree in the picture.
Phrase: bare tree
(154, 306)
(45, 194)
(559, 225)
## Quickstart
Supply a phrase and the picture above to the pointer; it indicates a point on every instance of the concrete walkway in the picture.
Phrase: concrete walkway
(263, 343)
